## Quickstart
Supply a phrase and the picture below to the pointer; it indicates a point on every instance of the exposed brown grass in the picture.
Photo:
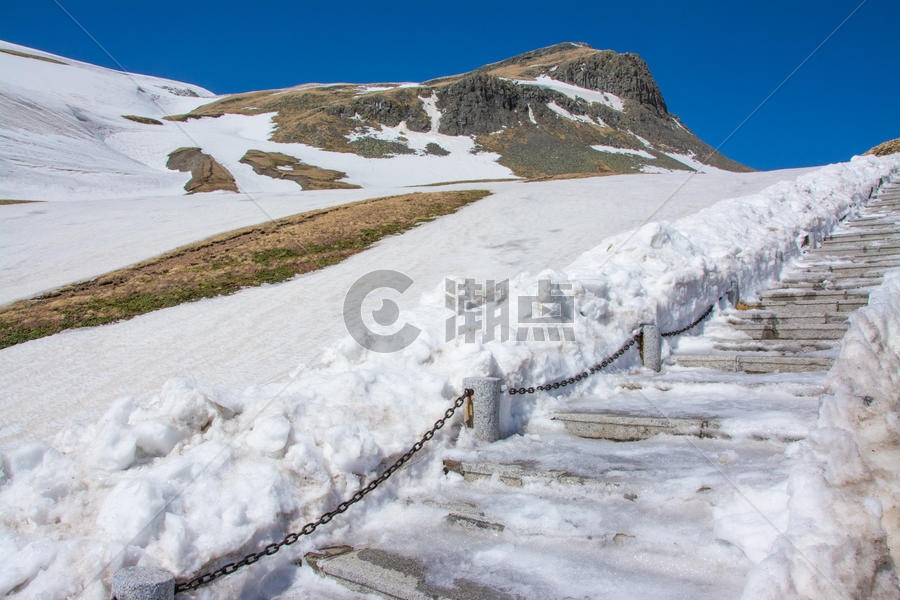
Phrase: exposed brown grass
(34, 56)
(223, 264)
(2, 202)
(526, 68)
(885, 148)
(570, 176)
(142, 120)
(466, 181)
(308, 177)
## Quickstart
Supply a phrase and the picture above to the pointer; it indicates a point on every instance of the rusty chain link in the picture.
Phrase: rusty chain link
(583, 375)
(692, 325)
(291, 538)
(606, 361)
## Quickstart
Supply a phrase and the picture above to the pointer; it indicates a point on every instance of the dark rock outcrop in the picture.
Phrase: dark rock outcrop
(283, 166)
(207, 175)
(625, 75)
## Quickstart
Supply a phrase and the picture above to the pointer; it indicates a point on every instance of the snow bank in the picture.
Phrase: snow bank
(200, 474)
(844, 528)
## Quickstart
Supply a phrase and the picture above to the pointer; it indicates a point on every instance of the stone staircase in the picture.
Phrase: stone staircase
(797, 325)
(631, 490)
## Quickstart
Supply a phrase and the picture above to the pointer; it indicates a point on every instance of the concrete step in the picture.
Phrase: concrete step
(755, 363)
(877, 267)
(873, 224)
(776, 319)
(844, 238)
(759, 331)
(825, 281)
(519, 474)
(624, 427)
(854, 253)
(831, 263)
(864, 218)
(812, 307)
(851, 251)
(795, 294)
(785, 347)
(886, 211)
(853, 228)
(393, 575)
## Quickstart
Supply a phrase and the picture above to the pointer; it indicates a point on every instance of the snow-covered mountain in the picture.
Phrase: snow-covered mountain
(69, 129)
(62, 130)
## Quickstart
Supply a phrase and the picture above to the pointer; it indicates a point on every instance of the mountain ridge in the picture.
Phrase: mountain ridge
(604, 99)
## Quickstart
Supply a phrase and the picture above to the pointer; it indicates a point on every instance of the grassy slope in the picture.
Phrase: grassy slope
(267, 253)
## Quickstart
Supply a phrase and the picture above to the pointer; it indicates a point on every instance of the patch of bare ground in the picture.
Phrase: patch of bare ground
(223, 264)
(34, 56)
(142, 120)
(2, 202)
(570, 176)
(886, 148)
(207, 175)
(284, 166)
(440, 183)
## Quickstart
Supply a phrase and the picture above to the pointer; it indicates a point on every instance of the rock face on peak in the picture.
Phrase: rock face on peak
(625, 75)
(567, 109)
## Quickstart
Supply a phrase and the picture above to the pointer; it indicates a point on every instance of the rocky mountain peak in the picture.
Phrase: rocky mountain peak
(566, 109)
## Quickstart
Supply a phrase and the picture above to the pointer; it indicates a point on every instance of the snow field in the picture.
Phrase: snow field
(198, 472)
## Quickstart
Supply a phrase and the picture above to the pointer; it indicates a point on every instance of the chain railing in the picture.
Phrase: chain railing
(634, 339)
(583, 375)
(291, 538)
(693, 324)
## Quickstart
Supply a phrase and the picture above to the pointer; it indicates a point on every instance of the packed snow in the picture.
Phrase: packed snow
(567, 115)
(198, 472)
(574, 92)
(615, 150)
(690, 160)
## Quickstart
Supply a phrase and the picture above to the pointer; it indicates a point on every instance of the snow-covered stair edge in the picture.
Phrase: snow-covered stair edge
(843, 535)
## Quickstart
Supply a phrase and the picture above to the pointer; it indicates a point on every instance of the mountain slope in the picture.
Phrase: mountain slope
(70, 130)
(565, 109)
(57, 115)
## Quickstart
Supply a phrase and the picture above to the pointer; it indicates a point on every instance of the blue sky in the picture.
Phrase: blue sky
(714, 61)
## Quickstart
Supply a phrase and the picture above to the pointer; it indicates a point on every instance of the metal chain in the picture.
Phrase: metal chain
(692, 325)
(583, 375)
(291, 538)
(606, 361)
